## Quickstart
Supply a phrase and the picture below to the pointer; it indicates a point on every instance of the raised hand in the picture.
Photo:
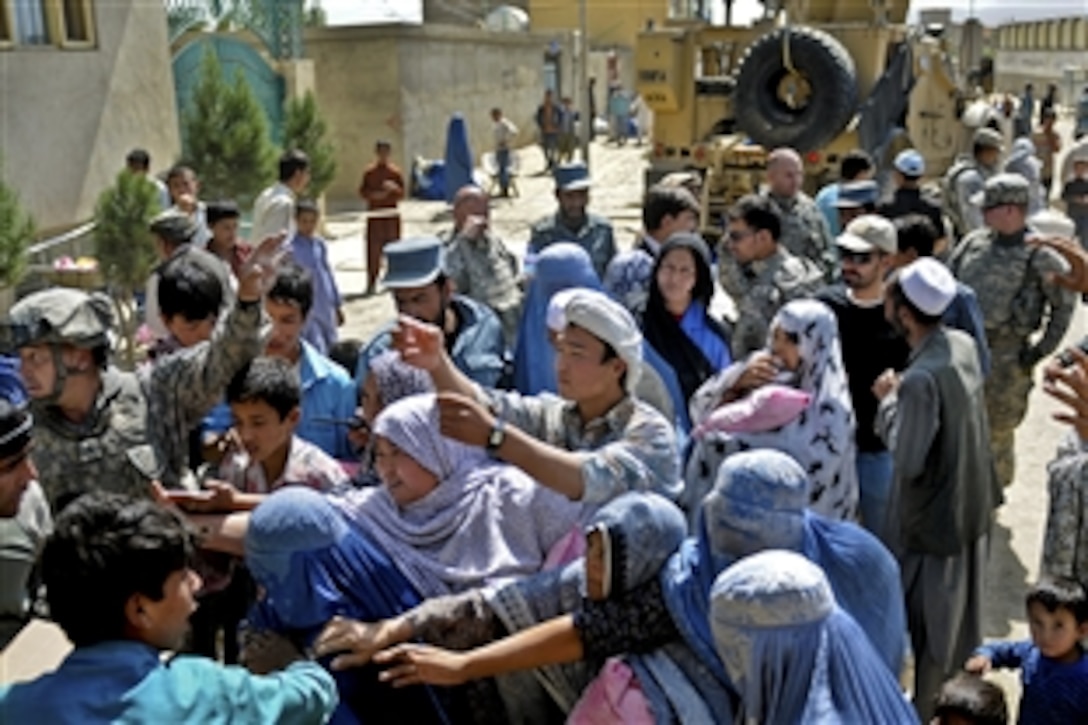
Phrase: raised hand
(256, 274)
(420, 344)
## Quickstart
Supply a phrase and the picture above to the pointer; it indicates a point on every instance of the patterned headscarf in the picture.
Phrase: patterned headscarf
(397, 379)
(793, 655)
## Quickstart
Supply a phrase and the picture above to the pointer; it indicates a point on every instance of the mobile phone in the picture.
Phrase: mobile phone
(1066, 358)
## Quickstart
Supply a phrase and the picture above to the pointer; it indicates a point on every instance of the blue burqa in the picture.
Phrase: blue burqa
(459, 159)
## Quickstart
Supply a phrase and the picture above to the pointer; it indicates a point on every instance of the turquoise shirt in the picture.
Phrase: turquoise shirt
(126, 682)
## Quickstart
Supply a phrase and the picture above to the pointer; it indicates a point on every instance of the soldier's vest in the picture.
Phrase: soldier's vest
(111, 452)
(950, 200)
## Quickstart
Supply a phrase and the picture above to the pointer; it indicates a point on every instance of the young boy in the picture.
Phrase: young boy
(1053, 665)
(223, 218)
(970, 700)
(264, 399)
(1075, 196)
(310, 251)
(120, 584)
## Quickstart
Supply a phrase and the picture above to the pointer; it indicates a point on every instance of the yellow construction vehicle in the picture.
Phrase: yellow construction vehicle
(820, 76)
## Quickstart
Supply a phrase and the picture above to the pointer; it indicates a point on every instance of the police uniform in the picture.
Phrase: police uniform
(595, 235)
(1009, 279)
(804, 231)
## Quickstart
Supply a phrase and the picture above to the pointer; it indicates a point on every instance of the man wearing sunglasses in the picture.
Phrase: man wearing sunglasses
(759, 273)
(870, 345)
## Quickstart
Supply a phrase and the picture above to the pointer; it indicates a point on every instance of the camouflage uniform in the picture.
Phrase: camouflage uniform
(595, 237)
(485, 270)
(759, 288)
(804, 230)
(1009, 280)
(137, 428)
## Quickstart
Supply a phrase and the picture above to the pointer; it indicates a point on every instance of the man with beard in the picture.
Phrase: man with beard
(870, 345)
(934, 419)
(572, 223)
(416, 275)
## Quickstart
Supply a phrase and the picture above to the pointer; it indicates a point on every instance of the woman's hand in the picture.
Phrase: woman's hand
(415, 664)
(360, 640)
(760, 370)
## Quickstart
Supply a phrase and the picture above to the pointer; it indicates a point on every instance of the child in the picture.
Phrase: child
(311, 252)
(970, 700)
(1053, 665)
(119, 583)
(223, 218)
(264, 400)
(1075, 196)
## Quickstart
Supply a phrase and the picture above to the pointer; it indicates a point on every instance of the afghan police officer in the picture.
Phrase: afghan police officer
(98, 427)
(1012, 281)
(572, 223)
(804, 230)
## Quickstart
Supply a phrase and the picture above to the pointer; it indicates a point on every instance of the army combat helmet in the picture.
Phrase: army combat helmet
(57, 317)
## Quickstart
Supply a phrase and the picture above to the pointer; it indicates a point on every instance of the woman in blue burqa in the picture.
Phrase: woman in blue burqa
(794, 655)
(759, 502)
(566, 266)
(377, 552)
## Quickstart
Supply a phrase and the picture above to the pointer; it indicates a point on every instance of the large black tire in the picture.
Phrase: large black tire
(827, 68)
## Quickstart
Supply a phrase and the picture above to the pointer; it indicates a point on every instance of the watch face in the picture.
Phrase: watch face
(495, 439)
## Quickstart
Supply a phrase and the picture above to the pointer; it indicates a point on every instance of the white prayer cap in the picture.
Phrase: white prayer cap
(1050, 223)
(609, 322)
(928, 285)
(556, 318)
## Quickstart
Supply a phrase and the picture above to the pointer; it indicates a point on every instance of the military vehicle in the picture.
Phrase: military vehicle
(821, 76)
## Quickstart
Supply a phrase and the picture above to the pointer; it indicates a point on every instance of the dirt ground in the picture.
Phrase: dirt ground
(617, 176)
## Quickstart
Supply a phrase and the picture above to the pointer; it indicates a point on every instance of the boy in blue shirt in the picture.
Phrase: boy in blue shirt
(120, 583)
(1053, 665)
(311, 252)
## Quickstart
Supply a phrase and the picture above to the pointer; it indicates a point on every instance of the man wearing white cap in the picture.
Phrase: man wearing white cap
(594, 442)
(933, 417)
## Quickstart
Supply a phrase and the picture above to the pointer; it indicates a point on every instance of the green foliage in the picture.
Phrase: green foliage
(122, 240)
(226, 137)
(305, 129)
(16, 234)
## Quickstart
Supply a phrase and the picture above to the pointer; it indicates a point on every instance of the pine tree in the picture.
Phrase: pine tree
(305, 129)
(16, 234)
(225, 136)
(124, 246)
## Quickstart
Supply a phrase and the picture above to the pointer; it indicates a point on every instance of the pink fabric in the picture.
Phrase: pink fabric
(613, 698)
(765, 409)
(572, 546)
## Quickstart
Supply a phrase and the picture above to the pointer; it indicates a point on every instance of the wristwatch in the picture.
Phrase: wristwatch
(496, 437)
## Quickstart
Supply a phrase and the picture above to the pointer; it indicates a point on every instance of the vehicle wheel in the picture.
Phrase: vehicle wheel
(806, 109)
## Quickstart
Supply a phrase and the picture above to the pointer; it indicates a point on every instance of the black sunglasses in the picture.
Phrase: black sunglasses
(856, 257)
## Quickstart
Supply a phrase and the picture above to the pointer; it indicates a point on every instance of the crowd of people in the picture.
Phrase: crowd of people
(560, 488)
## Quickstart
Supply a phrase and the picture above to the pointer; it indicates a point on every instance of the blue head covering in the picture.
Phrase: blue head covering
(793, 655)
(313, 565)
(643, 530)
(459, 158)
(11, 384)
(559, 267)
(758, 502)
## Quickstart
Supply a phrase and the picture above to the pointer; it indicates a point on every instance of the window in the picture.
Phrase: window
(31, 27)
(75, 19)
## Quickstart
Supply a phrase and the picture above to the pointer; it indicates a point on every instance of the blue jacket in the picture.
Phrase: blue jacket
(125, 682)
(477, 352)
(328, 393)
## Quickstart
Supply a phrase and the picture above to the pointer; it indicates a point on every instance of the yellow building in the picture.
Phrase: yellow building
(608, 22)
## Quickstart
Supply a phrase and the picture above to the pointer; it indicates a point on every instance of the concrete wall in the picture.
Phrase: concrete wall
(609, 22)
(403, 83)
(68, 117)
(1042, 52)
